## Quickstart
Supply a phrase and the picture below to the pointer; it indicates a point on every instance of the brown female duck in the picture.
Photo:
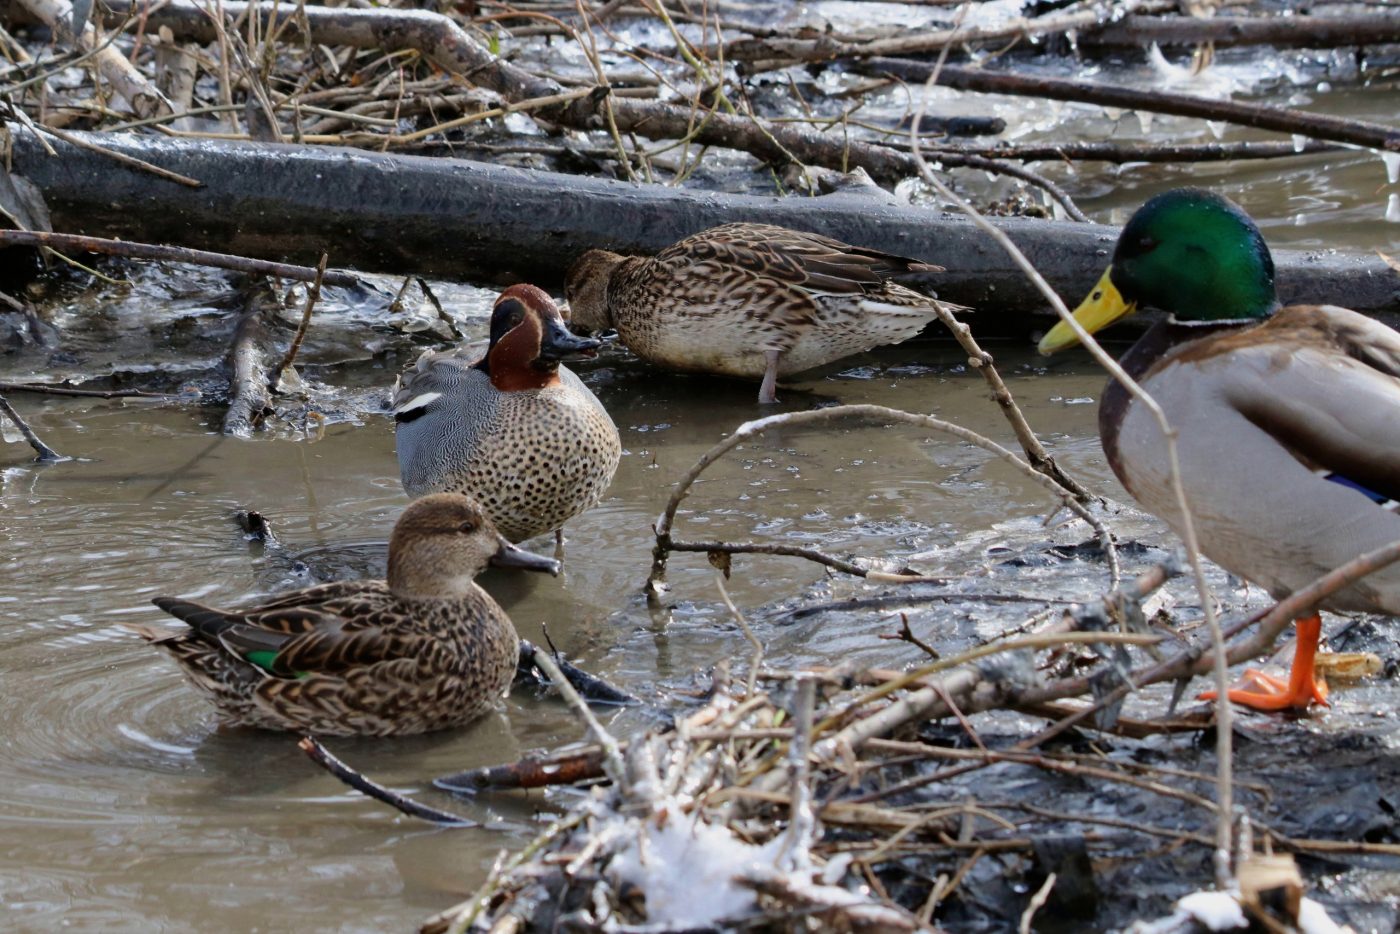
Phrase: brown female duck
(425, 649)
(749, 300)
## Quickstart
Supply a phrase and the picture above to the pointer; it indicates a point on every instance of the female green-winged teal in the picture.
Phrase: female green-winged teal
(1288, 418)
(511, 428)
(749, 300)
(424, 650)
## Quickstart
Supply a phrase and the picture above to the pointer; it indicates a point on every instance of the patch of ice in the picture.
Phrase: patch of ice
(686, 869)
(1392, 166)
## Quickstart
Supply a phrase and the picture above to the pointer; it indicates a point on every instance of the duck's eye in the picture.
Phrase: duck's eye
(1146, 244)
(467, 528)
(511, 312)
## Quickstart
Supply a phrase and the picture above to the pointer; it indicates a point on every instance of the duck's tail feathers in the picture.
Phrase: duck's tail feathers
(206, 622)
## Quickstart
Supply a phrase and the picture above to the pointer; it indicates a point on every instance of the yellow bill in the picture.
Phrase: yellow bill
(1103, 307)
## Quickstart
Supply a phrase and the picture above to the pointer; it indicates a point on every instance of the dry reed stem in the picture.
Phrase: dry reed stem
(612, 752)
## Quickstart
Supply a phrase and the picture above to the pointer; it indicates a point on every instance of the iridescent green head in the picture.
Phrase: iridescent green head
(1189, 252)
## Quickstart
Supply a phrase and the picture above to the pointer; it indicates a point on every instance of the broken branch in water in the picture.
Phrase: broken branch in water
(51, 390)
(250, 401)
(46, 454)
(530, 772)
(322, 756)
(591, 687)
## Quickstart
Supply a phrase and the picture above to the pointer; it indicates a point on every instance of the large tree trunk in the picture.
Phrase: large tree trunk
(467, 220)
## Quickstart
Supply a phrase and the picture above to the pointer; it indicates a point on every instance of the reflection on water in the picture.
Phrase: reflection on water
(123, 807)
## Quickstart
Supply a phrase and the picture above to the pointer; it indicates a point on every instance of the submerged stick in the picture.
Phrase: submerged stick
(585, 765)
(46, 454)
(51, 390)
(591, 687)
(320, 755)
(250, 401)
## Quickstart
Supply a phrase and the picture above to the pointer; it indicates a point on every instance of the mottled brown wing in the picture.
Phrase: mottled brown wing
(316, 598)
(349, 630)
(797, 258)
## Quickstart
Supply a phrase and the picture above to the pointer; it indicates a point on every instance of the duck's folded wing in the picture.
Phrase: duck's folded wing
(435, 372)
(1330, 396)
(332, 651)
(793, 257)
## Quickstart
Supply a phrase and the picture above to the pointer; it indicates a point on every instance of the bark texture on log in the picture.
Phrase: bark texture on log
(468, 220)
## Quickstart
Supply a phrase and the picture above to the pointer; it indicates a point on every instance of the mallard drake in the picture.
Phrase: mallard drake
(425, 649)
(749, 300)
(510, 427)
(1288, 419)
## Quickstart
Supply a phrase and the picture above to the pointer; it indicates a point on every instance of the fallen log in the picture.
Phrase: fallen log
(468, 220)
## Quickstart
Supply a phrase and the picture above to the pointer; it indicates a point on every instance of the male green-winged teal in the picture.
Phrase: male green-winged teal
(511, 427)
(749, 300)
(425, 649)
(1288, 418)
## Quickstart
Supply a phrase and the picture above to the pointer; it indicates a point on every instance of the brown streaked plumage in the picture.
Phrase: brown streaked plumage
(749, 300)
(511, 427)
(1287, 419)
(426, 649)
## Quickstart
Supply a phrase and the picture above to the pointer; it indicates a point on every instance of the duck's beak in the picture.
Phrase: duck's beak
(1104, 306)
(559, 343)
(513, 556)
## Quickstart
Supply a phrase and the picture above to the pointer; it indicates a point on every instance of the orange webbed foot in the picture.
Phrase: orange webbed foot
(1260, 691)
(1301, 689)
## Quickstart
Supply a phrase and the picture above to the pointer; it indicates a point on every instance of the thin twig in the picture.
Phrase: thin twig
(612, 752)
(46, 389)
(756, 662)
(313, 294)
(176, 254)
(320, 755)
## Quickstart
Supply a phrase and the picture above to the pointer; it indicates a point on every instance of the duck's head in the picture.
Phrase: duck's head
(443, 541)
(1189, 252)
(586, 289)
(528, 340)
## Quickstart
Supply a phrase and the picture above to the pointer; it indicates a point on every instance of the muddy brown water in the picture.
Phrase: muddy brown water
(123, 807)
